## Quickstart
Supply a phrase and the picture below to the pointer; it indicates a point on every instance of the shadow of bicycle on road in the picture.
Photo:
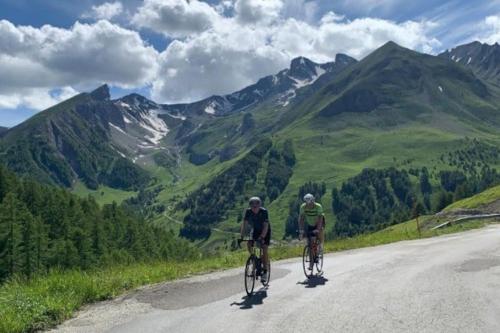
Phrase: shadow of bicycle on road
(249, 302)
(314, 281)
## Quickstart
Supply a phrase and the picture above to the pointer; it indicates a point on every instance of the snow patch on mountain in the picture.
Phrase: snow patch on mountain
(154, 125)
(124, 105)
(302, 83)
(210, 109)
(181, 117)
(117, 128)
(440, 88)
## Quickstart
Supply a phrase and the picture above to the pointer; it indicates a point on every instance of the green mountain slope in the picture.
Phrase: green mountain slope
(483, 199)
(70, 141)
(395, 108)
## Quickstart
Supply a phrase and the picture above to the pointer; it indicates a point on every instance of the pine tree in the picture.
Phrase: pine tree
(40, 244)
(10, 237)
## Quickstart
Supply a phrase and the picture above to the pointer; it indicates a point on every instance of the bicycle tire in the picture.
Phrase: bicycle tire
(250, 275)
(306, 260)
(268, 273)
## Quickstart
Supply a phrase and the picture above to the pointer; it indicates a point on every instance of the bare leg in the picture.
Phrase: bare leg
(249, 247)
(322, 237)
(312, 252)
(265, 256)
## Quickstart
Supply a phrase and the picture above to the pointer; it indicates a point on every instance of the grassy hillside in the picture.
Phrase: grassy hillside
(482, 199)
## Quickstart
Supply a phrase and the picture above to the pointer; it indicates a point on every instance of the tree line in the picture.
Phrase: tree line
(375, 199)
(279, 169)
(44, 227)
(209, 204)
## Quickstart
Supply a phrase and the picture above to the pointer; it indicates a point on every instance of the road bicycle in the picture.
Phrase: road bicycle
(312, 257)
(254, 266)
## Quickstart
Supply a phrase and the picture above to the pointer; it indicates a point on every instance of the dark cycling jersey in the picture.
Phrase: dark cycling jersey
(257, 222)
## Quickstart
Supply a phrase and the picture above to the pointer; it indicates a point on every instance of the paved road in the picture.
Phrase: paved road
(444, 284)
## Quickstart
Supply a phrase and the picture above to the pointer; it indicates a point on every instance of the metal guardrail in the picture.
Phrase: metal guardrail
(465, 218)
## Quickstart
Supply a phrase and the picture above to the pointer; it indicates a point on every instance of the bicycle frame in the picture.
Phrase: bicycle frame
(256, 244)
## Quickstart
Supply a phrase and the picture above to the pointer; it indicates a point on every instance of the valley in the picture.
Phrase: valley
(394, 108)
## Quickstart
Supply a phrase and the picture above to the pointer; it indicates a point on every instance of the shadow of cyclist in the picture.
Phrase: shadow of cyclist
(249, 302)
(313, 282)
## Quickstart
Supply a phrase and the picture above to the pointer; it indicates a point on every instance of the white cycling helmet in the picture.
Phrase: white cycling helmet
(308, 198)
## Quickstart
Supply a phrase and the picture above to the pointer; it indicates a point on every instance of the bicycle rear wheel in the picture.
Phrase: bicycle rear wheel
(306, 261)
(250, 275)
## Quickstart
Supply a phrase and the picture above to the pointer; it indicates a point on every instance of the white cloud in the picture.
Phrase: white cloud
(107, 10)
(231, 54)
(257, 11)
(38, 60)
(490, 30)
(175, 18)
(36, 98)
(216, 49)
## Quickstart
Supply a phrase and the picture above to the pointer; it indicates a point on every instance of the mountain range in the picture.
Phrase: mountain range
(396, 107)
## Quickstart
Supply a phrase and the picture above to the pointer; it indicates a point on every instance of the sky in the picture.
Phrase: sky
(181, 51)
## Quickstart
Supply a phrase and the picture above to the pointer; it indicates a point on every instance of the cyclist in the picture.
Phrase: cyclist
(258, 218)
(311, 214)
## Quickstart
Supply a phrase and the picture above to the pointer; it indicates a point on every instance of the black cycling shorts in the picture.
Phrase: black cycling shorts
(257, 233)
(310, 231)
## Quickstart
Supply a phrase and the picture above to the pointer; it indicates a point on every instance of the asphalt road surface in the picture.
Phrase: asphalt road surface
(443, 284)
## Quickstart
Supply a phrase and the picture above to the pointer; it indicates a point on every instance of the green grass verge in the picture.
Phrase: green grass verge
(45, 301)
(481, 199)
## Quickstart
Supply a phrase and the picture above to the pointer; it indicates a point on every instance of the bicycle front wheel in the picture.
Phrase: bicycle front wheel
(306, 261)
(268, 273)
(250, 275)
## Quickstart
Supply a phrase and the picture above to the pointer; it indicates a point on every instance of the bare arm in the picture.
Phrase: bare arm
(319, 222)
(301, 222)
(243, 227)
(264, 230)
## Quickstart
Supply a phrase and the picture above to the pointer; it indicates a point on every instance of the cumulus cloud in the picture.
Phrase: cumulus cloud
(490, 30)
(106, 11)
(214, 49)
(36, 98)
(233, 54)
(257, 11)
(175, 18)
(38, 60)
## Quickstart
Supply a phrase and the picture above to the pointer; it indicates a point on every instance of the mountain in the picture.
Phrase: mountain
(280, 88)
(394, 108)
(290, 132)
(112, 142)
(72, 141)
(396, 78)
(3, 130)
(482, 58)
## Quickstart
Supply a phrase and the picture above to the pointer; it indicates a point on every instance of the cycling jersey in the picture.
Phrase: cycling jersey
(311, 214)
(257, 222)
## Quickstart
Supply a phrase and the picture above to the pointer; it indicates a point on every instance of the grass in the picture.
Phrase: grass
(481, 199)
(45, 301)
(103, 195)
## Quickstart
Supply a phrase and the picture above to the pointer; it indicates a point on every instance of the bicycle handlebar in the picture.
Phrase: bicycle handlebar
(257, 242)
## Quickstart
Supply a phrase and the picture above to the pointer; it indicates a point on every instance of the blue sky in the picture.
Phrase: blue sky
(178, 51)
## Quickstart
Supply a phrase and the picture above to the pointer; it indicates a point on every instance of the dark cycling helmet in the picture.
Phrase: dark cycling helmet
(254, 200)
